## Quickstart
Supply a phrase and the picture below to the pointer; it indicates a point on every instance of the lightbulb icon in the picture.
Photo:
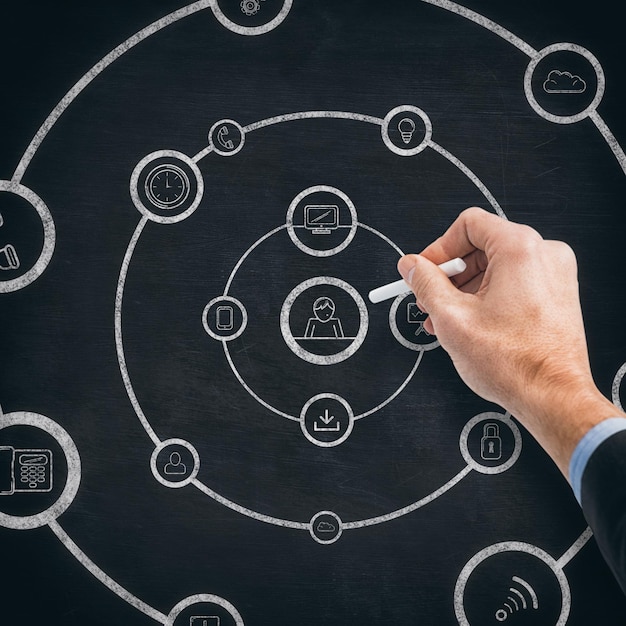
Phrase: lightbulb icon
(406, 126)
(8, 258)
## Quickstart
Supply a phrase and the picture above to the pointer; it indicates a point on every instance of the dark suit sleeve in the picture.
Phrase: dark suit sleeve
(604, 501)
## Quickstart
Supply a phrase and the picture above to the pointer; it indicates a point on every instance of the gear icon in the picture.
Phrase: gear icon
(250, 7)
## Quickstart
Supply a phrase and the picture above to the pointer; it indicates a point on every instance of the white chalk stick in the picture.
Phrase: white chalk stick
(450, 268)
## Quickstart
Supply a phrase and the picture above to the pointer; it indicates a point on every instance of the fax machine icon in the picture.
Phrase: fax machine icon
(25, 471)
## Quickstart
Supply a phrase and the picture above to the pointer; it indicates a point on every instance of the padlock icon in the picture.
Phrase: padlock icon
(491, 444)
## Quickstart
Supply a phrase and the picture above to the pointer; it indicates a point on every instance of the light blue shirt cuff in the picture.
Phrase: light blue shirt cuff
(587, 446)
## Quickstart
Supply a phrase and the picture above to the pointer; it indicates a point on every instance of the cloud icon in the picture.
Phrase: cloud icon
(326, 527)
(564, 82)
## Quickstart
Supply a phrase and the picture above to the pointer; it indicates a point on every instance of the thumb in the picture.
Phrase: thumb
(432, 288)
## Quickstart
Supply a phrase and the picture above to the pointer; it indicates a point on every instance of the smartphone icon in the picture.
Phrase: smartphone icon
(204, 620)
(225, 317)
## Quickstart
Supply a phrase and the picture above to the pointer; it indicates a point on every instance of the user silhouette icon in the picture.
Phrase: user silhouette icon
(175, 467)
(324, 325)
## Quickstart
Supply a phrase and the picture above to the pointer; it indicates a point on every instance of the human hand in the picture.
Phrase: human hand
(512, 325)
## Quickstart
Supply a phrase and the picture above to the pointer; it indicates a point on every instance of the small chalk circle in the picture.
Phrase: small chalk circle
(450, 268)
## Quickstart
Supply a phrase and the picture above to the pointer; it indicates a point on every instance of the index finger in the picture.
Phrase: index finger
(474, 229)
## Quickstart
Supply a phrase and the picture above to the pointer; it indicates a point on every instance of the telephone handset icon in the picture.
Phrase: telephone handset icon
(222, 138)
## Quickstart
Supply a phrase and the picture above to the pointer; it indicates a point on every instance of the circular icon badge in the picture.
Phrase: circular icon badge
(407, 130)
(227, 137)
(27, 236)
(564, 83)
(406, 321)
(324, 320)
(175, 463)
(326, 527)
(491, 443)
(327, 420)
(40, 470)
(322, 221)
(166, 186)
(512, 582)
(224, 318)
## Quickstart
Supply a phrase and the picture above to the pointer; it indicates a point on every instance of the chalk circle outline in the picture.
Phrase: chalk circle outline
(292, 232)
(428, 134)
(336, 517)
(250, 30)
(346, 406)
(600, 86)
(62, 437)
(221, 151)
(318, 359)
(201, 599)
(170, 483)
(510, 546)
(238, 304)
(49, 236)
(489, 469)
(400, 338)
(147, 211)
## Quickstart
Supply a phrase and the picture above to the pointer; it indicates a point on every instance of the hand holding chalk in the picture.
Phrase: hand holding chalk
(399, 287)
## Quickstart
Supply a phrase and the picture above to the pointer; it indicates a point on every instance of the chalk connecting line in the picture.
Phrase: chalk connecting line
(189, 176)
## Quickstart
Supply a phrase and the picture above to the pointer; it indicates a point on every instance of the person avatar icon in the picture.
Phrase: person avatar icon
(324, 325)
(175, 467)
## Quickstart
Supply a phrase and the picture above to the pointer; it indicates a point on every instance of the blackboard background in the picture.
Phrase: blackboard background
(58, 356)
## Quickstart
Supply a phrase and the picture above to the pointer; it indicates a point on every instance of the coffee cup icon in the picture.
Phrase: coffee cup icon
(8, 258)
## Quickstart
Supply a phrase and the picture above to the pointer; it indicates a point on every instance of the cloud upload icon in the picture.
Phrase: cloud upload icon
(564, 82)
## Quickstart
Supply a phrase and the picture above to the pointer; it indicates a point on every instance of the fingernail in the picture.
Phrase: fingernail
(406, 267)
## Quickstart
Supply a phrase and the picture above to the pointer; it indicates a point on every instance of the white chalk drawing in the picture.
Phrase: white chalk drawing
(227, 138)
(328, 430)
(564, 82)
(33, 470)
(406, 127)
(167, 186)
(167, 463)
(321, 219)
(251, 7)
(491, 442)
(25, 471)
(326, 523)
(517, 600)
(326, 527)
(415, 315)
(324, 324)
(8, 258)
(204, 620)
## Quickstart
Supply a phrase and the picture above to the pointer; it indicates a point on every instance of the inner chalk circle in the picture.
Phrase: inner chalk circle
(326, 527)
(349, 415)
(318, 359)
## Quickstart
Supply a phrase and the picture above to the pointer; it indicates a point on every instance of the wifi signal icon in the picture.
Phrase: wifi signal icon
(517, 600)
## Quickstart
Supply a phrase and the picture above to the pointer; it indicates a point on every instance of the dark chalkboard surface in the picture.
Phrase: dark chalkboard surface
(205, 421)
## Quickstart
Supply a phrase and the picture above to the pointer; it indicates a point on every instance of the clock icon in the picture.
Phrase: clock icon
(167, 186)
